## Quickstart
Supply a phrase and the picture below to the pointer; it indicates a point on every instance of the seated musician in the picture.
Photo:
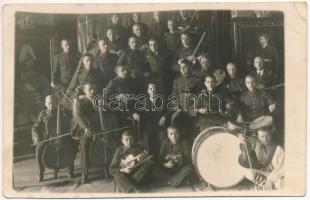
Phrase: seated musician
(204, 68)
(129, 176)
(174, 165)
(254, 103)
(87, 117)
(265, 77)
(269, 158)
(233, 83)
(87, 74)
(120, 88)
(212, 105)
(184, 86)
(44, 128)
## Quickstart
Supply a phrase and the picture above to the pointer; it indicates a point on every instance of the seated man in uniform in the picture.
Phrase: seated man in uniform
(141, 38)
(269, 159)
(254, 103)
(114, 45)
(46, 127)
(233, 83)
(204, 68)
(129, 178)
(174, 166)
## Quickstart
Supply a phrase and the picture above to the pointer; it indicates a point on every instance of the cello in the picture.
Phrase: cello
(58, 153)
(103, 146)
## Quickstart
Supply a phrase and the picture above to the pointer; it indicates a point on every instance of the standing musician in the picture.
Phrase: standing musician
(174, 165)
(269, 158)
(172, 37)
(120, 32)
(115, 46)
(186, 51)
(88, 120)
(105, 62)
(126, 176)
(255, 103)
(87, 74)
(158, 62)
(158, 28)
(44, 128)
(64, 66)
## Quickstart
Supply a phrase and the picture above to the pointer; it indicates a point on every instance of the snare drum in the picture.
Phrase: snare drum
(215, 154)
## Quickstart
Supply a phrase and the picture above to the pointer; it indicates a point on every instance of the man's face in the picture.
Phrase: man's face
(156, 17)
(49, 103)
(121, 72)
(185, 69)
(185, 40)
(132, 43)
(259, 63)
(110, 35)
(103, 47)
(153, 46)
(173, 135)
(87, 61)
(136, 17)
(262, 40)
(205, 63)
(250, 83)
(171, 25)
(115, 19)
(136, 29)
(65, 45)
(89, 90)
(127, 141)
(232, 70)
(151, 90)
(264, 137)
(210, 83)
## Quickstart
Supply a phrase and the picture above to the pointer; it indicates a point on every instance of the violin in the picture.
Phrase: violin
(132, 162)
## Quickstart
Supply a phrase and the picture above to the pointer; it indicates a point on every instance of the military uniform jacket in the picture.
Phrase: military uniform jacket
(106, 65)
(121, 153)
(254, 104)
(64, 67)
(85, 76)
(86, 115)
(46, 125)
(133, 59)
(183, 86)
(157, 62)
(181, 150)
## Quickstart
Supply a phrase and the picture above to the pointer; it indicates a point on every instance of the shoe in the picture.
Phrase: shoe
(84, 180)
(55, 174)
(40, 177)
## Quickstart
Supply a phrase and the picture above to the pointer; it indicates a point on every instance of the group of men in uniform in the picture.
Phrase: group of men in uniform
(156, 60)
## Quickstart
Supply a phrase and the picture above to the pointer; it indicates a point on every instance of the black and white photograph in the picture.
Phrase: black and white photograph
(158, 101)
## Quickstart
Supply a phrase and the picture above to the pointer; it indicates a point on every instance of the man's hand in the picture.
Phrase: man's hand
(88, 132)
(162, 121)
(126, 170)
(136, 116)
(272, 107)
(202, 111)
(168, 164)
(53, 85)
(35, 141)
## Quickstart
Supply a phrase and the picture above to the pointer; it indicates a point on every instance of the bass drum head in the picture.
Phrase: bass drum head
(216, 160)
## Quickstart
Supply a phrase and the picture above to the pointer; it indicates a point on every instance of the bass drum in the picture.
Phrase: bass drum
(215, 154)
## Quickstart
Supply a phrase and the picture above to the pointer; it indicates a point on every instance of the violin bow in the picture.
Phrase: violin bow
(199, 43)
